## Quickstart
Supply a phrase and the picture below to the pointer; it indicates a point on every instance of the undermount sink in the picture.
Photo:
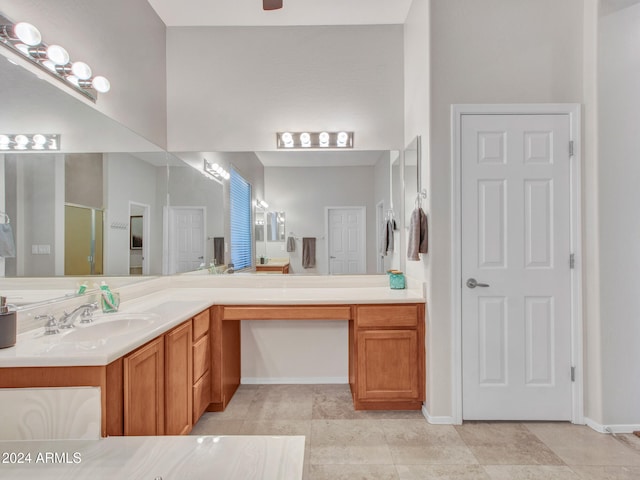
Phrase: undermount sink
(106, 329)
(106, 326)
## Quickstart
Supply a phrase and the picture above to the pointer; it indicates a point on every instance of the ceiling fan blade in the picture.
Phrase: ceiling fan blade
(271, 4)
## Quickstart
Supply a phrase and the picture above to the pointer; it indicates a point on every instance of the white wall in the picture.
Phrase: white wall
(128, 178)
(123, 40)
(232, 89)
(619, 173)
(486, 51)
(304, 193)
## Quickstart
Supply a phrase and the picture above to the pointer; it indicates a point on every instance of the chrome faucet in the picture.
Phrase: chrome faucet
(85, 311)
(51, 326)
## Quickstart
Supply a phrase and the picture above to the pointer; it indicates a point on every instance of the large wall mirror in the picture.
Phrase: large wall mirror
(79, 212)
(412, 183)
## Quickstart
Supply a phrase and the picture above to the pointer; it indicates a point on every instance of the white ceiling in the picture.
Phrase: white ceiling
(609, 6)
(294, 12)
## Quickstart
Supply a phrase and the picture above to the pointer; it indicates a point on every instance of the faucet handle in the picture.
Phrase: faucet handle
(87, 313)
(51, 326)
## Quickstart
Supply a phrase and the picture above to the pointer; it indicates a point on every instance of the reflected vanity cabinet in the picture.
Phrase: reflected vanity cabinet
(387, 350)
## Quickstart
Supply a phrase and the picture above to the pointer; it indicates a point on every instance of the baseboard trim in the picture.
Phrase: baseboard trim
(293, 380)
(436, 420)
(598, 427)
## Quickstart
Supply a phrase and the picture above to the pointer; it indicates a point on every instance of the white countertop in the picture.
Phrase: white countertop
(148, 458)
(176, 302)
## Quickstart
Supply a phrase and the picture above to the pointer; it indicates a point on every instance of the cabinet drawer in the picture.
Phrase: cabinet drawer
(200, 324)
(201, 357)
(393, 316)
(201, 396)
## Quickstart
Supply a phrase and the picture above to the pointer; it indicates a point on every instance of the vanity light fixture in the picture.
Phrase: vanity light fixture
(215, 171)
(292, 140)
(25, 39)
(261, 204)
(26, 142)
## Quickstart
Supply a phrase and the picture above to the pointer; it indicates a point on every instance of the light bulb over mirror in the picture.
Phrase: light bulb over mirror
(101, 84)
(81, 70)
(27, 33)
(57, 54)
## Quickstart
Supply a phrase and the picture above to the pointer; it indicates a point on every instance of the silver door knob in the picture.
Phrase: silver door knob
(473, 283)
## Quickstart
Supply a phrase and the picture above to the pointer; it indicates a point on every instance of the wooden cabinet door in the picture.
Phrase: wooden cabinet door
(143, 372)
(178, 380)
(387, 365)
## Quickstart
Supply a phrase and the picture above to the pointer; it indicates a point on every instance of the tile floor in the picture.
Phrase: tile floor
(342, 443)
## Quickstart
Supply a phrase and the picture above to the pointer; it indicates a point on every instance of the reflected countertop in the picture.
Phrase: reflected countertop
(167, 457)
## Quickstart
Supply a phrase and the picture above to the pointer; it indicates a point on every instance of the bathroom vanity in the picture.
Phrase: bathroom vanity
(158, 380)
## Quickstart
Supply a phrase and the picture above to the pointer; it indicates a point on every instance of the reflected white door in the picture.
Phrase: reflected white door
(347, 247)
(186, 239)
(516, 323)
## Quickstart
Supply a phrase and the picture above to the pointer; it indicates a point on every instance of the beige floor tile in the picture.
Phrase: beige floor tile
(334, 405)
(580, 445)
(209, 424)
(348, 442)
(530, 472)
(277, 427)
(497, 443)
(283, 409)
(441, 472)
(607, 472)
(420, 432)
(418, 442)
(352, 472)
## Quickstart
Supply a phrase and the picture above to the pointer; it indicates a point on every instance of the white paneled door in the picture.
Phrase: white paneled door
(347, 247)
(516, 283)
(186, 240)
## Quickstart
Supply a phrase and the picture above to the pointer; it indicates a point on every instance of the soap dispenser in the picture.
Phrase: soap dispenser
(7, 325)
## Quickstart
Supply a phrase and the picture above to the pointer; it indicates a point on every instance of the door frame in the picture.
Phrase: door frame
(379, 227)
(363, 237)
(146, 234)
(573, 111)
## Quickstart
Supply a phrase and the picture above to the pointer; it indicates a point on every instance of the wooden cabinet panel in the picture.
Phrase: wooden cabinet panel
(387, 365)
(143, 372)
(387, 316)
(201, 396)
(201, 357)
(200, 324)
(179, 380)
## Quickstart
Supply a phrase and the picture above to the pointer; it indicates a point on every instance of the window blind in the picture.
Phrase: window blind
(240, 212)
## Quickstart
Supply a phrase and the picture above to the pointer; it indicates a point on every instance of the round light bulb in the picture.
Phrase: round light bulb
(21, 140)
(305, 139)
(27, 33)
(287, 139)
(5, 140)
(39, 139)
(57, 54)
(342, 138)
(81, 70)
(101, 84)
(324, 139)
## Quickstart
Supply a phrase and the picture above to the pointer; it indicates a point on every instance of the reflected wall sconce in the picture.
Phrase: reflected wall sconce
(314, 140)
(26, 142)
(261, 204)
(25, 39)
(215, 171)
